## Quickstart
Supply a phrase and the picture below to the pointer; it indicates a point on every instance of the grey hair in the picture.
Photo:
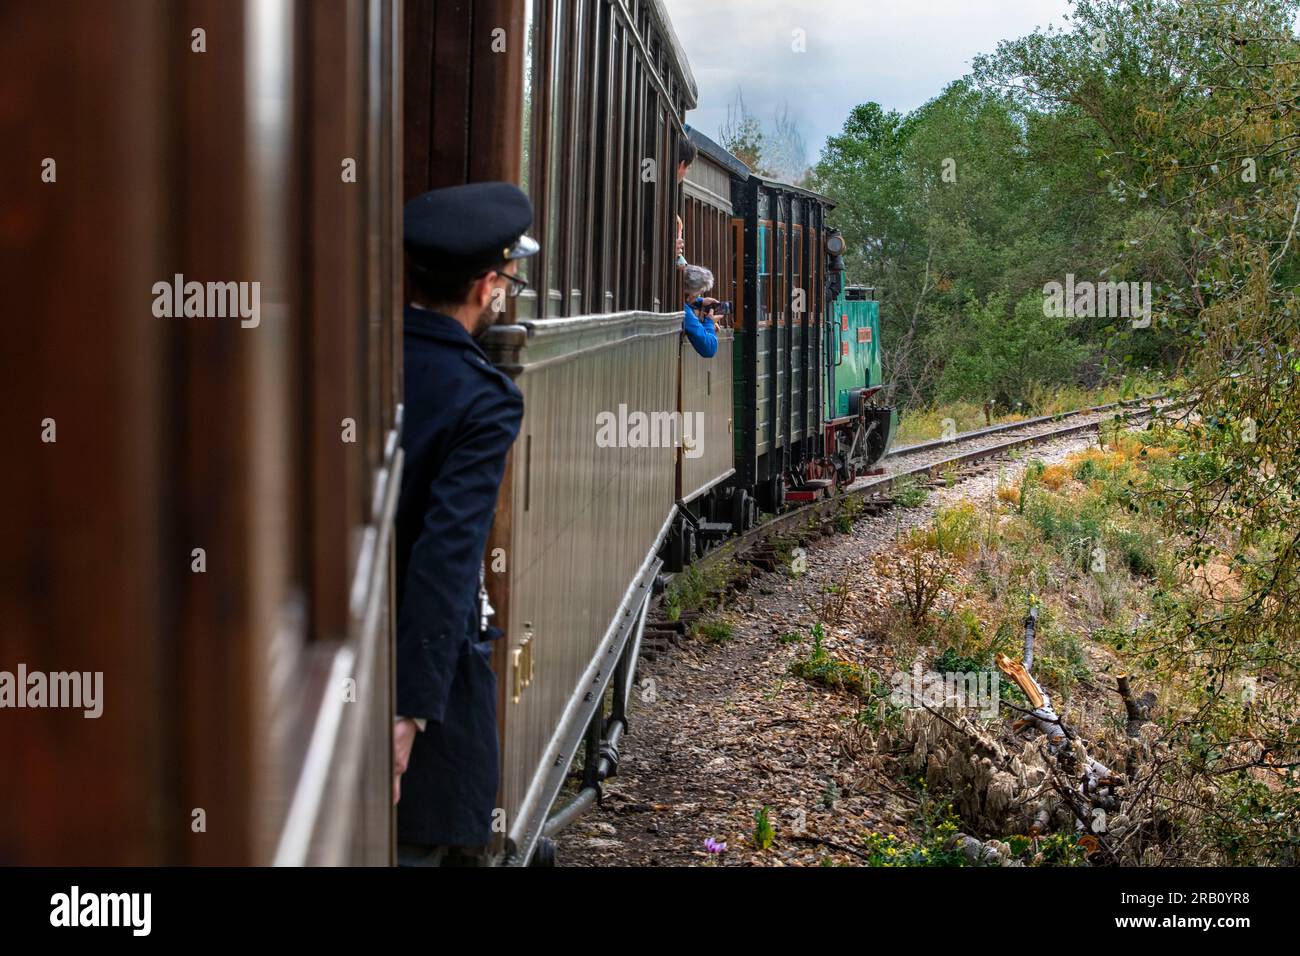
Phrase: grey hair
(696, 279)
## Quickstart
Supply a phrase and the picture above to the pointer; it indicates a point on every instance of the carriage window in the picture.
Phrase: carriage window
(580, 72)
(814, 290)
(526, 305)
(558, 175)
(799, 282)
(764, 273)
(781, 293)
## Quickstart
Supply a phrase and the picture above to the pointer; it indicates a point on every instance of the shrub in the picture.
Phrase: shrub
(819, 667)
(715, 631)
(764, 833)
(909, 492)
(922, 578)
(955, 530)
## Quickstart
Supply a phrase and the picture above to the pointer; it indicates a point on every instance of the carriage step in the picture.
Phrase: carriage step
(810, 490)
(714, 530)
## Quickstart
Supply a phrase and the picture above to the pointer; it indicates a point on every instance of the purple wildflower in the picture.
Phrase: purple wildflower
(713, 846)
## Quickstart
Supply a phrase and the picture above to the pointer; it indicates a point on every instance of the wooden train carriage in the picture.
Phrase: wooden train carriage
(779, 377)
(198, 506)
(713, 230)
(578, 101)
(581, 102)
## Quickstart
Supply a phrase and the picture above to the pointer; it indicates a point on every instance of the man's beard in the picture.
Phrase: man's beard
(484, 322)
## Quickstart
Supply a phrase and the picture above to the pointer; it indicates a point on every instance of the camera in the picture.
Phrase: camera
(718, 308)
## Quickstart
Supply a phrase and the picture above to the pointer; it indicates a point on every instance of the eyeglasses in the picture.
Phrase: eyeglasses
(516, 286)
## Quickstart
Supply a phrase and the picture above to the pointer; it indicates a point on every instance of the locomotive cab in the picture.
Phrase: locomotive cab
(858, 430)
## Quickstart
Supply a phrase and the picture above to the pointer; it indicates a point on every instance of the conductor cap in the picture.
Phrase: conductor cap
(469, 227)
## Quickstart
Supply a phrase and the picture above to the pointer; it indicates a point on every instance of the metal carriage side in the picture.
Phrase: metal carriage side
(587, 502)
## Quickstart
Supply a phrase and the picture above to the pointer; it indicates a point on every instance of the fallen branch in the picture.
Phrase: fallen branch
(1138, 709)
(1062, 742)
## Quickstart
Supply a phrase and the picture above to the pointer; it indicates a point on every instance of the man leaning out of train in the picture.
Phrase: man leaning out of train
(686, 153)
(461, 416)
(696, 280)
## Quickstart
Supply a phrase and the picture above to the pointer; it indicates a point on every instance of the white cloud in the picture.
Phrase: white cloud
(899, 54)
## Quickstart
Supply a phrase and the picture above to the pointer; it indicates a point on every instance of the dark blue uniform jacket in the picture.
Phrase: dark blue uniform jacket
(461, 417)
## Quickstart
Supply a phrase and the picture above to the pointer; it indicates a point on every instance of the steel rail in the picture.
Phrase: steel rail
(1013, 426)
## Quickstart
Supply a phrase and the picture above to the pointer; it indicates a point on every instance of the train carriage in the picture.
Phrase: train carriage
(779, 364)
(708, 500)
(806, 385)
(587, 500)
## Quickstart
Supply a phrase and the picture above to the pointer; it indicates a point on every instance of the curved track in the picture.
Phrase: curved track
(931, 459)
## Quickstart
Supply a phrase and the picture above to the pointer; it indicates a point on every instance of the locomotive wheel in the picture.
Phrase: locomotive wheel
(843, 471)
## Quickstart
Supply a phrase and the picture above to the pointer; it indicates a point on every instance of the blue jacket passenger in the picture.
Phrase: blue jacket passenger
(701, 333)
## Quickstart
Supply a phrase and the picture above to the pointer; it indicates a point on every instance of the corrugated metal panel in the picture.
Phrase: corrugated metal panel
(582, 518)
(706, 395)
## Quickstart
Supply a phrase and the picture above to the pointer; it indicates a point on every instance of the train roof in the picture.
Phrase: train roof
(720, 155)
(737, 168)
(659, 14)
(825, 200)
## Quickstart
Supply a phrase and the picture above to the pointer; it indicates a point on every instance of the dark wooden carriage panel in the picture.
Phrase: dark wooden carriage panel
(780, 367)
(192, 432)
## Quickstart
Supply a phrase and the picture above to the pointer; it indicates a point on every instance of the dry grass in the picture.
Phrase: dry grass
(1054, 476)
(924, 423)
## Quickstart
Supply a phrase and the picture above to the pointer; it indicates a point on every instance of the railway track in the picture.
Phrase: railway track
(922, 461)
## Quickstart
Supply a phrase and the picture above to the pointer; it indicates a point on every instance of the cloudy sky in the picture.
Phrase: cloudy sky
(899, 53)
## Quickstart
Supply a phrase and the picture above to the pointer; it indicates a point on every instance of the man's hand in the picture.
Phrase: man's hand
(404, 732)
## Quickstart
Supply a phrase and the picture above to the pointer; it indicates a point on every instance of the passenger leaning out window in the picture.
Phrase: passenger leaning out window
(698, 320)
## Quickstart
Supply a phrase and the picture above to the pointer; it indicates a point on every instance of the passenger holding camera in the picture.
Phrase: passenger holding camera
(700, 311)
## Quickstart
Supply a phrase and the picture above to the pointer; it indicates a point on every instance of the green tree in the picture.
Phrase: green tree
(1001, 356)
